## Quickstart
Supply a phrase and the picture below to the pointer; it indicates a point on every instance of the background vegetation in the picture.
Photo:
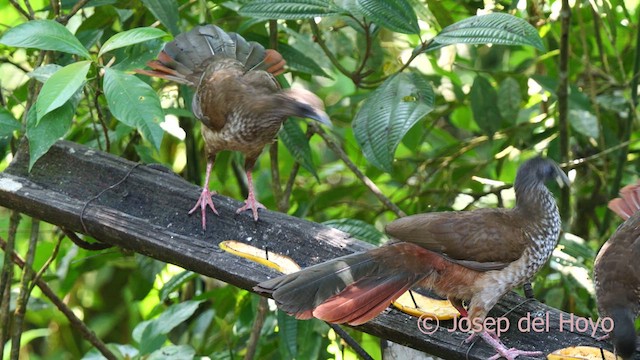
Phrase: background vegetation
(463, 117)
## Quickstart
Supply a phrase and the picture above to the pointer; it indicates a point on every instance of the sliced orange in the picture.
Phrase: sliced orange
(581, 353)
(441, 309)
(281, 263)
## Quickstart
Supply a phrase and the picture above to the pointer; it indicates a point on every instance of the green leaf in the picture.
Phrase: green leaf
(149, 333)
(130, 37)
(44, 72)
(496, 28)
(509, 99)
(61, 86)
(388, 113)
(44, 35)
(8, 123)
(584, 122)
(289, 10)
(297, 143)
(134, 103)
(484, 100)
(174, 283)
(166, 11)
(173, 352)
(298, 61)
(44, 133)
(288, 332)
(358, 229)
(396, 15)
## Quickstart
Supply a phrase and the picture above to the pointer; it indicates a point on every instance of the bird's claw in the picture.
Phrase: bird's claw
(502, 351)
(203, 202)
(253, 205)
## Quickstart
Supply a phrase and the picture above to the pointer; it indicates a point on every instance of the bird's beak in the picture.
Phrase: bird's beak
(562, 179)
(321, 117)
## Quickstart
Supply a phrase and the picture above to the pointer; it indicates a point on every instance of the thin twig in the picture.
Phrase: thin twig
(563, 99)
(103, 124)
(323, 46)
(79, 5)
(55, 5)
(350, 341)
(361, 176)
(5, 280)
(47, 263)
(254, 338)
(86, 333)
(20, 9)
(23, 295)
(32, 14)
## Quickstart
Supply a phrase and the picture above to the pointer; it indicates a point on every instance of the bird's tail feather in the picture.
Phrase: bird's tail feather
(628, 203)
(352, 289)
(185, 58)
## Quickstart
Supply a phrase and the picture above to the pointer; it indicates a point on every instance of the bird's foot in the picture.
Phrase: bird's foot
(251, 204)
(203, 202)
(502, 351)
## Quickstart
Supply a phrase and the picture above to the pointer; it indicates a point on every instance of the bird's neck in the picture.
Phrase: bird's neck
(537, 208)
(536, 202)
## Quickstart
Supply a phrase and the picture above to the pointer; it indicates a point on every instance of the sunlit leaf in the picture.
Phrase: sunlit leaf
(584, 122)
(396, 15)
(388, 113)
(8, 123)
(44, 35)
(134, 103)
(61, 86)
(358, 229)
(496, 28)
(289, 10)
(130, 37)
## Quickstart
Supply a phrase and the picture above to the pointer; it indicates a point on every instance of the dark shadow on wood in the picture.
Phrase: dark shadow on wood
(147, 213)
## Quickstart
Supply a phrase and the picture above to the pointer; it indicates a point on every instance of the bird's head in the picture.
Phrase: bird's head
(308, 105)
(624, 332)
(537, 171)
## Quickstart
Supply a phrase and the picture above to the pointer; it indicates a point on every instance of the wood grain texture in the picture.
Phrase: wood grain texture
(147, 213)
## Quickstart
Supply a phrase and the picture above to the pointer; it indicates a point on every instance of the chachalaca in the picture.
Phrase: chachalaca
(616, 274)
(475, 256)
(237, 98)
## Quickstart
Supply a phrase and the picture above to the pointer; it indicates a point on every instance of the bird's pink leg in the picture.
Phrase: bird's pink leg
(205, 198)
(502, 351)
(251, 202)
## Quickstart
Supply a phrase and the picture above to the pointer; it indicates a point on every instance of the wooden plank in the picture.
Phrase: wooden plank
(146, 212)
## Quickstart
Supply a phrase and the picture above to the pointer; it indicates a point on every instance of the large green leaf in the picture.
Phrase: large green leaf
(44, 133)
(61, 86)
(288, 332)
(130, 37)
(484, 105)
(584, 122)
(151, 334)
(166, 11)
(297, 143)
(134, 103)
(298, 61)
(173, 352)
(289, 10)
(396, 15)
(388, 113)
(358, 229)
(44, 35)
(509, 99)
(496, 28)
(8, 123)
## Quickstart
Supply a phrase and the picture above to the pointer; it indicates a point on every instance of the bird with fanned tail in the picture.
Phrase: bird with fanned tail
(237, 98)
(617, 276)
(474, 256)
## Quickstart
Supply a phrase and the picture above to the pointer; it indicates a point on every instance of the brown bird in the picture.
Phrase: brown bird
(237, 98)
(475, 256)
(617, 276)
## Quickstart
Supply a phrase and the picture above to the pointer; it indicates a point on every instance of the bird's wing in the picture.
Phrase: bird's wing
(484, 239)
